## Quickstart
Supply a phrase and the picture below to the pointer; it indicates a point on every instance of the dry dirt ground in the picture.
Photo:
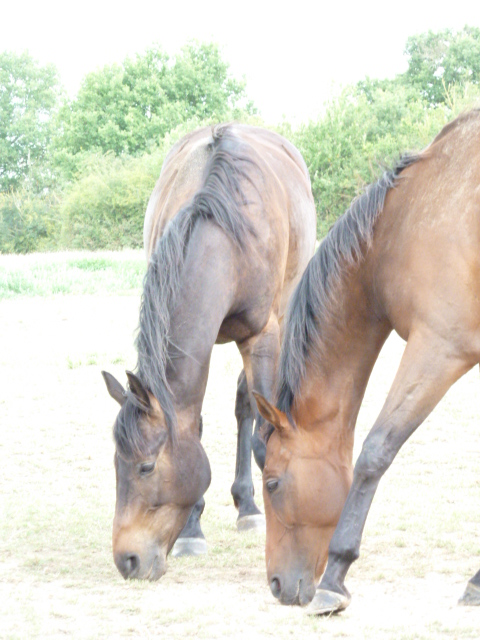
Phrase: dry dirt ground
(57, 578)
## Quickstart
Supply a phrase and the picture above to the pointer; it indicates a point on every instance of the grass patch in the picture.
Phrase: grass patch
(94, 359)
(57, 494)
(106, 273)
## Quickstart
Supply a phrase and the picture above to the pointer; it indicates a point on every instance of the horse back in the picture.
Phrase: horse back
(424, 262)
(180, 177)
(277, 201)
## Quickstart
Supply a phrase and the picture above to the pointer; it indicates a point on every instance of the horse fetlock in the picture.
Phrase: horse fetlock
(242, 489)
(193, 529)
(242, 493)
(338, 565)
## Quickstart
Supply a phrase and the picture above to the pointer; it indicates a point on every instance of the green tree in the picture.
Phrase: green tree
(367, 127)
(29, 95)
(202, 87)
(438, 61)
(129, 108)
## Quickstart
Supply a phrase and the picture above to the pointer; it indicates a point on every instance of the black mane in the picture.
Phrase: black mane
(311, 303)
(220, 200)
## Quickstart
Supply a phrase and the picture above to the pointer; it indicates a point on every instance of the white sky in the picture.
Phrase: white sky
(294, 55)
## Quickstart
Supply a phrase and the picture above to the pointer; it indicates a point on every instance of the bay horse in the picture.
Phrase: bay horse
(405, 257)
(228, 231)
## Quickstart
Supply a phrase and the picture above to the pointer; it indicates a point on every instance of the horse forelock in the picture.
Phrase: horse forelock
(129, 439)
(312, 305)
(220, 199)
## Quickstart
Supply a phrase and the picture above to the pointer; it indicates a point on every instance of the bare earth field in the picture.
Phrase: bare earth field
(57, 577)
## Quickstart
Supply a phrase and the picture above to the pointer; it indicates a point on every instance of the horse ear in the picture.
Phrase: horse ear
(138, 390)
(272, 414)
(114, 387)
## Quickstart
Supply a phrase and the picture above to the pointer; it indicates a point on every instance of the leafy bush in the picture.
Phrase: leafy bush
(105, 206)
(27, 221)
(363, 131)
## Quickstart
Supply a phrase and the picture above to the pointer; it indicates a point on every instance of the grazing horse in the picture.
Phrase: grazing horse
(405, 256)
(229, 230)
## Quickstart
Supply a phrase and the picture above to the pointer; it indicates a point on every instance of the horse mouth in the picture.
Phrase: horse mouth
(157, 569)
(133, 567)
(303, 595)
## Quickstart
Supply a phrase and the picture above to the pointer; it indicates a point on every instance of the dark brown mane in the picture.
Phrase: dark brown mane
(220, 200)
(311, 304)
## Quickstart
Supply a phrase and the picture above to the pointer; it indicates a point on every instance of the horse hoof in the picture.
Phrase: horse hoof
(326, 602)
(189, 547)
(471, 597)
(248, 523)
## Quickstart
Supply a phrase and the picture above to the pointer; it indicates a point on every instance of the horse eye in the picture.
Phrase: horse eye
(146, 468)
(271, 485)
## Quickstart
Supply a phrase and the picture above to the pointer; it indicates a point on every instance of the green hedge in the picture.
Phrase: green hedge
(362, 132)
(28, 221)
(103, 206)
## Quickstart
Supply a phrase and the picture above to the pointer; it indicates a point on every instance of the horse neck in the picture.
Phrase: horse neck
(337, 371)
(203, 301)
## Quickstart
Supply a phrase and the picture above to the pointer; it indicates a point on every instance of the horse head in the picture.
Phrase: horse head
(304, 493)
(158, 481)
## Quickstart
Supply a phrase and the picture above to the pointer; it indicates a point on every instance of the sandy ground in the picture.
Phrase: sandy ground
(57, 578)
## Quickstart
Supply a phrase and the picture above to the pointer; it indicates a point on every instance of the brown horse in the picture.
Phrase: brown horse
(405, 256)
(229, 229)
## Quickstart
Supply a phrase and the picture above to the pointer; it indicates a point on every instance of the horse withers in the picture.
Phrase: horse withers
(229, 230)
(404, 257)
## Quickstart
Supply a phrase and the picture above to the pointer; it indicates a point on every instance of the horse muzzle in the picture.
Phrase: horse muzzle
(134, 567)
(296, 591)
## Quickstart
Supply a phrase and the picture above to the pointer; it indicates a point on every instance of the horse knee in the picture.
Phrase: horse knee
(374, 459)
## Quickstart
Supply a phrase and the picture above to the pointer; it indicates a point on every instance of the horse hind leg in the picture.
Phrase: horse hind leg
(471, 596)
(249, 515)
(191, 541)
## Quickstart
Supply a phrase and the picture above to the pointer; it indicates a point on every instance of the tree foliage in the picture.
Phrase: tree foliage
(361, 132)
(129, 108)
(88, 186)
(28, 221)
(105, 206)
(438, 61)
(28, 98)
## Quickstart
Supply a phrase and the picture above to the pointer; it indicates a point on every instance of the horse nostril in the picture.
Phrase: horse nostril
(275, 587)
(131, 564)
(128, 564)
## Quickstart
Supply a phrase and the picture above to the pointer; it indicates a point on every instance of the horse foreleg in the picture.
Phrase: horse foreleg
(427, 370)
(249, 515)
(191, 541)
